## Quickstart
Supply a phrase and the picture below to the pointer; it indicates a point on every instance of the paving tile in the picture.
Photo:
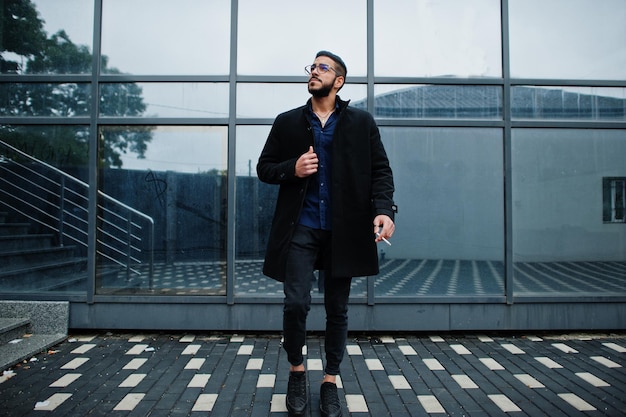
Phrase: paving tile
(246, 375)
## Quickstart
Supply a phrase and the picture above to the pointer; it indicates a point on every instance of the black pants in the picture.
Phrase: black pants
(307, 246)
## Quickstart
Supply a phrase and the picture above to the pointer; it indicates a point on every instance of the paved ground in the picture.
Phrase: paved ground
(245, 375)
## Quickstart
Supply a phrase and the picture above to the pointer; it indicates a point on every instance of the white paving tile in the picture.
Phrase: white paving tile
(188, 338)
(529, 381)
(278, 404)
(85, 338)
(314, 365)
(195, 363)
(606, 362)
(132, 381)
(356, 403)
(135, 364)
(205, 402)
(65, 380)
(75, 363)
(374, 365)
(504, 403)
(245, 350)
(465, 381)
(534, 338)
(433, 364)
(548, 362)
(407, 350)
(564, 348)
(254, 364)
(592, 379)
(460, 349)
(129, 402)
(52, 402)
(236, 339)
(399, 382)
(511, 348)
(191, 350)
(84, 348)
(199, 381)
(485, 339)
(576, 402)
(436, 339)
(137, 338)
(137, 349)
(354, 350)
(491, 364)
(431, 404)
(266, 381)
(615, 347)
(388, 339)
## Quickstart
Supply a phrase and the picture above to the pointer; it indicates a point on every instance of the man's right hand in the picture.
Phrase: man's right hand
(307, 164)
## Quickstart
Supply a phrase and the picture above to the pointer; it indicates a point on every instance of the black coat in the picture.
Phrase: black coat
(362, 187)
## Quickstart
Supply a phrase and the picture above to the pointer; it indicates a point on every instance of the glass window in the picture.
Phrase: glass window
(44, 194)
(254, 212)
(278, 98)
(41, 37)
(570, 103)
(162, 212)
(280, 37)
(449, 238)
(437, 38)
(201, 100)
(166, 37)
(561, 244)
(438, 101)
(561, 39)
(42, 99)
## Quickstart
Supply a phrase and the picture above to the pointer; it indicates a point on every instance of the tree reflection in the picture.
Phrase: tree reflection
(25, 48)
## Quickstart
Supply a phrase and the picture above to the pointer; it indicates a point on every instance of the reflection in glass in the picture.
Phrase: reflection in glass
(271, 43)
(450, 239)
(278, 98)
(571, 103)
(254, 212)
(164, 99)
(166, 37)
(561, 39)
(162, 217)
(47, 100)
(437, 101)
(561, 245)
(40, 37)
(44, 195)
(437, 38)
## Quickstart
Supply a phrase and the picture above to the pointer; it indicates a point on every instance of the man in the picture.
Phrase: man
(335, 203)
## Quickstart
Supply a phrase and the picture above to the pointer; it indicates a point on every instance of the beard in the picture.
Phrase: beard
(322, 91)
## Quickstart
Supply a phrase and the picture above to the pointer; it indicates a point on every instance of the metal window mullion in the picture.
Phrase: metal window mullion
(508, 156)
(92, 192)
(231, 177)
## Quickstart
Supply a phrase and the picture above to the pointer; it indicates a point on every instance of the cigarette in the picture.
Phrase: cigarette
(384, 240)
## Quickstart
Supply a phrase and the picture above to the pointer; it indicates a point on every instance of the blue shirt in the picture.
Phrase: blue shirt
(316, 210)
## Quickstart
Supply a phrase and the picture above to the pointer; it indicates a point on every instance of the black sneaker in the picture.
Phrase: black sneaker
(329, 401)
(296, 393)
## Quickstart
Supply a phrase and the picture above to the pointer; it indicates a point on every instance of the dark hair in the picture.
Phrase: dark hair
(337, 60)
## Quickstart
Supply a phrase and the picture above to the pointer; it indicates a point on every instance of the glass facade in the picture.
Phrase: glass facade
(130, 132)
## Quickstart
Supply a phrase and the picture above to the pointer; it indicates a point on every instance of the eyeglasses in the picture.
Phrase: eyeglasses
(322, 68)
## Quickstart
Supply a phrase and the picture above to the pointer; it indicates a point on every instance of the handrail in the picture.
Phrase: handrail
(117, 221)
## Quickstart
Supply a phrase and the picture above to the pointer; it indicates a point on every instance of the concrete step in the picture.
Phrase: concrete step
(11, 229)
(32, 256)
(27, 346)
(19, 242)
(30, 327)
(12, 328)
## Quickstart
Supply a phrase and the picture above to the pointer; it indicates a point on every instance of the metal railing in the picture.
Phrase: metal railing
(59, 202)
